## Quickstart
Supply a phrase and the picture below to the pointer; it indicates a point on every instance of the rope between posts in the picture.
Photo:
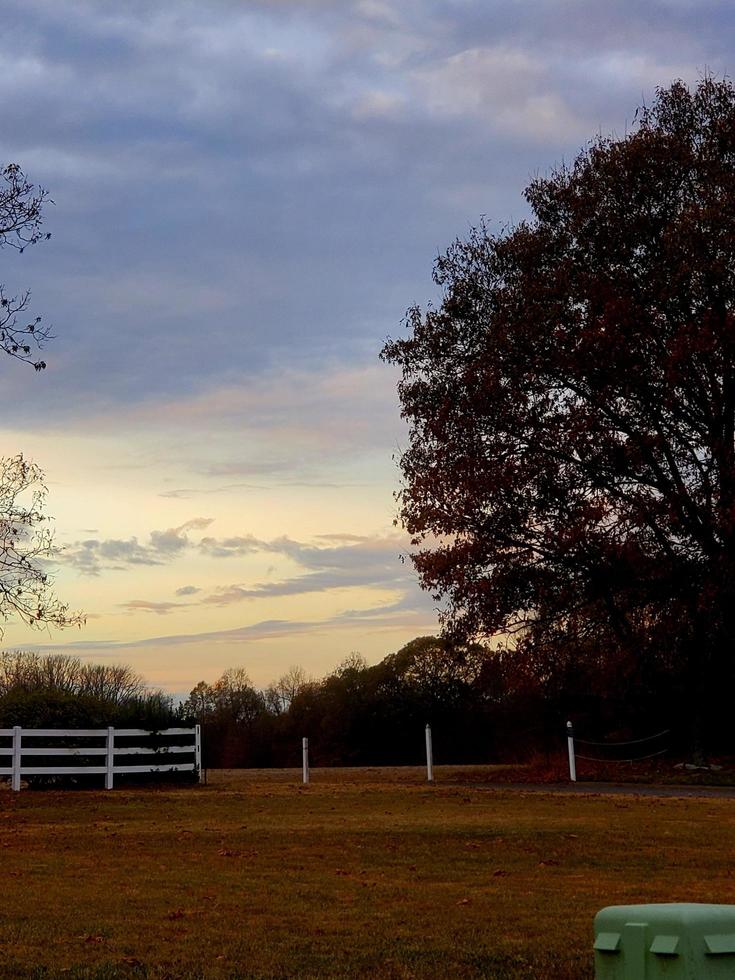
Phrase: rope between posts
(639, 758)
(613, 745)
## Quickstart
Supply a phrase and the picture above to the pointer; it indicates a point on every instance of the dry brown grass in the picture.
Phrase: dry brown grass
(365, 873)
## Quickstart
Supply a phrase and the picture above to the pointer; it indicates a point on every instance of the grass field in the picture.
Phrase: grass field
(365, 873)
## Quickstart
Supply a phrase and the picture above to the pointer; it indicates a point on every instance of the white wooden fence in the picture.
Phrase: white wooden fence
(19, 752)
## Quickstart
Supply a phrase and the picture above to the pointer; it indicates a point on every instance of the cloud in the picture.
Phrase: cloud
(168, 542)
(346, 538)
(89, 557)
(92, 556)
(186, 493)
(361, 562)
(185, 590)
(159, 608)
(174, 540)
(509, 87)
(379, 105)
(346, 560)
(338, 561)
(308, 427)
(234, 547)
(402, 614)
(280, 177)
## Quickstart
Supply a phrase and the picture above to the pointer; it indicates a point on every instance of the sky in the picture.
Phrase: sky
(247, 198)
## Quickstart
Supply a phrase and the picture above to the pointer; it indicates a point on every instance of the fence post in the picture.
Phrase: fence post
(305, 759)
(110, 774)
(570, 747)
(429, 756)
(17, 735)
(198, 751)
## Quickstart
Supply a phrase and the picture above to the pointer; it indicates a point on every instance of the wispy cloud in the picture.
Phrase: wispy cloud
(92, 556)
(345, 561)
(417, 614)
(360, 562)
(159, 608)
(187, 590)
(234, 547)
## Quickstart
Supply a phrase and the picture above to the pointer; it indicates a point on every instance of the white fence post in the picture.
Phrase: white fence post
(110, 774)
(305, 759)
(429, 756)
(570, 748)
(17, 735)
(198, 751)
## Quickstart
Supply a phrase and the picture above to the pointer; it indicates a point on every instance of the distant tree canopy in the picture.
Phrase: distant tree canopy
(570, 471)
(360, 714)
(57, 691)
(232, 698)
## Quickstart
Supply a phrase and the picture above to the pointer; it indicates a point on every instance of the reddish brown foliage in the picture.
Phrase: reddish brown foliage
(571, 465)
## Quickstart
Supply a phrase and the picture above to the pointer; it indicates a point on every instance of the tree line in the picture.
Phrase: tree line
(485, 705)
(58, 691)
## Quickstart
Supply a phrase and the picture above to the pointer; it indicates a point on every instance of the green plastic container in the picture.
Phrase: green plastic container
(678, 941)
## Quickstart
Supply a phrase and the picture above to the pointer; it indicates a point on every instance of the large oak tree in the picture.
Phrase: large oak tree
(571, 401)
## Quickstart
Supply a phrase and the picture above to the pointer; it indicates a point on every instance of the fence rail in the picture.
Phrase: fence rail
(20, 750)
